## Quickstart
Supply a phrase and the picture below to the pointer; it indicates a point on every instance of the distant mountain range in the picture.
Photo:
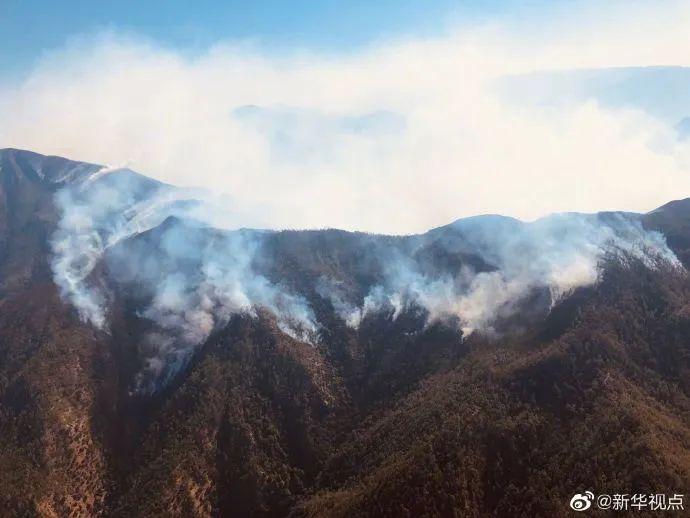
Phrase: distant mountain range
(154, 362)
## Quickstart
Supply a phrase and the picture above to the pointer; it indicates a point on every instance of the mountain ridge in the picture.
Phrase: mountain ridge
(394, 408)
(85, 169)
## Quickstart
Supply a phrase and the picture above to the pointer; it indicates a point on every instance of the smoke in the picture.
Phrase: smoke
(157, 242)
(200, 279)
(397, 137)
(96, 214)
(553, 255)
(170, 256)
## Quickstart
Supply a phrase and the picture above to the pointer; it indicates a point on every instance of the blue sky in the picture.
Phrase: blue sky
(29, 27)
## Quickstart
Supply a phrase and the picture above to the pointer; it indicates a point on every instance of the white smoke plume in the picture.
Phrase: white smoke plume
(558, 253)
(187, 274)
(397, 137)
(95, 215)
(211, 277)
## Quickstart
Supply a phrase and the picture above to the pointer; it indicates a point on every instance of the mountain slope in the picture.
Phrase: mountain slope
(381, 409)
(518, 428)
(52, 367)
(673, 220)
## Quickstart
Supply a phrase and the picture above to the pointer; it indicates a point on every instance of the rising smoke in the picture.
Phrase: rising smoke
(156, 239)
(187, 275)
(558, 253)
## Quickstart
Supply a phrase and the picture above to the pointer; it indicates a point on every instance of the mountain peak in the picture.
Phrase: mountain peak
(676, 207)
(45, 168)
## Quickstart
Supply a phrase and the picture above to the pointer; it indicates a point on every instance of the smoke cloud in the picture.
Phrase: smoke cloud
(164, 252)
(398, 137)
(156, 240)
(558, 253)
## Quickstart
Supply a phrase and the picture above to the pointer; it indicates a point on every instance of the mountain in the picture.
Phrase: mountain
(152, 364)
(673, 219)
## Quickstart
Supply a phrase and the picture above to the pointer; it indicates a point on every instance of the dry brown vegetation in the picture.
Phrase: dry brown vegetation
(394, 419)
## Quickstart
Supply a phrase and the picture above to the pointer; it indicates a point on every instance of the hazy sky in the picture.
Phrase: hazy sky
(383, 116)
(31, 26)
